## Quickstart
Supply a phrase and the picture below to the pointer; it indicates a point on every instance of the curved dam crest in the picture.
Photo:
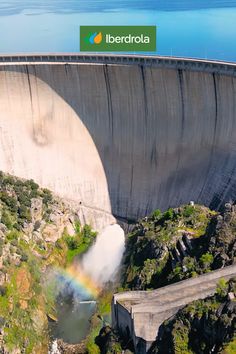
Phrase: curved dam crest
(122, 137)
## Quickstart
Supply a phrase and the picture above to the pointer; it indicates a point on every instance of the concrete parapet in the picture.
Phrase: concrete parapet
(194, 64)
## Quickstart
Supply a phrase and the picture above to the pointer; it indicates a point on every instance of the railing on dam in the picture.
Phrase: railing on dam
(220, 67)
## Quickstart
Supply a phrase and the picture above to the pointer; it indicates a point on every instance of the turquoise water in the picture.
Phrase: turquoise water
(73, 322)
(191, 28)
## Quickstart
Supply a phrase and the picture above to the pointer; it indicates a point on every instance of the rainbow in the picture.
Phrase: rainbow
(80, 281)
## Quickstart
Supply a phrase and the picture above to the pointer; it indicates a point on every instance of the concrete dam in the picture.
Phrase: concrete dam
(121, 135)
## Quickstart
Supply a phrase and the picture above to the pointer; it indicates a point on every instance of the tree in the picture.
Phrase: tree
(156, 214)
(77, 227)
(169, 214)
(72, 242)
(222, 288)
(88, 233)
(188, 211)
(24, 257)
(6, 219)
(206, 260)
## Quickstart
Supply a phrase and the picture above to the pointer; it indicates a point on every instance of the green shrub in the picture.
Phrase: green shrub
(230, 348)
(24, 200)
(8, 180)
(6, 219)
(169, 214)
(47, 196)
(77, 227)
(222, 288)
(10, 201)
(24, 213)
(17, 226)
(88, 234)
(206, 260)
(156, 214)
(189, 263)
(79, 243)
(32, 185)
(188, 211)
(72, 242)
(181, 339)
(14, 243)
(33, 194)
(177, 273)
(6, 262)
(13, 235)
(3, 290)
(24, 257)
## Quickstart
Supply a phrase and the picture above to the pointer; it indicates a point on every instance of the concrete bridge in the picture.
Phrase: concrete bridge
(139, 314)
(120, 135)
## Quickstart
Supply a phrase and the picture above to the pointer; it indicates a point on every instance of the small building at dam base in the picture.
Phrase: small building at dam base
(138, 315)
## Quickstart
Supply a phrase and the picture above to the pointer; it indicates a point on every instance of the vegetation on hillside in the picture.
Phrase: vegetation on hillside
(79, 242)
(148, 260)
(34, 236)
(16, 198)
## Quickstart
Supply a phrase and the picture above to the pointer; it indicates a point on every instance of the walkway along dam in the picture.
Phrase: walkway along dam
(122, 135)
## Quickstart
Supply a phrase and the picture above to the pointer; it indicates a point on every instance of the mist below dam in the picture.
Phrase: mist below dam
(120, 136)
(101, 263)
(77, 288)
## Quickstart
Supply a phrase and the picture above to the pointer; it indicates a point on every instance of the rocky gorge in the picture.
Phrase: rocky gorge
(38, 231)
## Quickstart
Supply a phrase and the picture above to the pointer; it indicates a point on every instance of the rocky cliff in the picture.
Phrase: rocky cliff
(38, 231)
(178, 244)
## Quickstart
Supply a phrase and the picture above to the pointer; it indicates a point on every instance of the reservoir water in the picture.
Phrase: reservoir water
(190, 28)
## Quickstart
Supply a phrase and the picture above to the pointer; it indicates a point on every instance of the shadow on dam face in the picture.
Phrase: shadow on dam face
(128, 138)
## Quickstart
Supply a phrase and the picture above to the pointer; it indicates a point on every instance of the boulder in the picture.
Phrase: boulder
(36, 209)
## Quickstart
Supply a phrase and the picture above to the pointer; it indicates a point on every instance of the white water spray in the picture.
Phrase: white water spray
(54, 348)
(100, 265)
(102, 261)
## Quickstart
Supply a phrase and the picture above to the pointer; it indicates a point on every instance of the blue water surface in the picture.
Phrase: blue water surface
(189, 28)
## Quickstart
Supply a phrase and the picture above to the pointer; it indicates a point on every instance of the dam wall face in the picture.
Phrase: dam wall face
(123, 138)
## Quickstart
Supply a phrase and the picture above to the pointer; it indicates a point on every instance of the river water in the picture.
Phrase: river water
(73, 321)
(79, 285)
(191, 28)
